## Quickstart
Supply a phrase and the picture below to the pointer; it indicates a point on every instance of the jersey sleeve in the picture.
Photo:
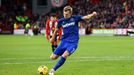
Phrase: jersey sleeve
(79, 18)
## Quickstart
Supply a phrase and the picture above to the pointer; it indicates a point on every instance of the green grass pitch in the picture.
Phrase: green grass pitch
(22, 55)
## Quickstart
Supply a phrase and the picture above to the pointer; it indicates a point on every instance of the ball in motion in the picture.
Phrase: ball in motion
(43, 70)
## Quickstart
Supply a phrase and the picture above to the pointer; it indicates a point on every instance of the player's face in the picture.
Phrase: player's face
(53, 18)
(66, 14)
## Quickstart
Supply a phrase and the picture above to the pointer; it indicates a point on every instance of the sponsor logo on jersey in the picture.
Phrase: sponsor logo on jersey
(68, 24)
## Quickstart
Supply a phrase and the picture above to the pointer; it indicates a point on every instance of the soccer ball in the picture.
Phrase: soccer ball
(43, 70)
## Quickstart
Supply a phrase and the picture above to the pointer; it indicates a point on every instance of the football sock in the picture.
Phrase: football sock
(59, 63)
(53, 48)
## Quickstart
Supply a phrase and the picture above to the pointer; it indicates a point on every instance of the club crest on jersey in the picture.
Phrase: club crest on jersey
(68, 24)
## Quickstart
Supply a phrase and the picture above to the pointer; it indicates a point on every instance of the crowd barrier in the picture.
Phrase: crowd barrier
(112, 32)
(107, 32)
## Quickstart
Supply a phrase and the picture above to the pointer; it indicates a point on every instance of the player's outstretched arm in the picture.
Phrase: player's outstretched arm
(89, 16)
(54, 35)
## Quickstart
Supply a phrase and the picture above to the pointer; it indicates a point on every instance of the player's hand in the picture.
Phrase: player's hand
(51, 40)
(94, 13)
(58, 41)
(47, 38)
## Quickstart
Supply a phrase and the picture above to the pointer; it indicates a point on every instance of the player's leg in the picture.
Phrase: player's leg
(70, 49)
(55, 42)
(53, 56)
(60, 62)
(58, 52)
(54, 45)
(26, 31)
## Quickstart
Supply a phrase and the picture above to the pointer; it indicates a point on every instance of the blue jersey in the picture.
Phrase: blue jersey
(70, 29)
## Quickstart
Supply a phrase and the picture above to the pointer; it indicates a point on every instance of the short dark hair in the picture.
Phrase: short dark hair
(53, 15)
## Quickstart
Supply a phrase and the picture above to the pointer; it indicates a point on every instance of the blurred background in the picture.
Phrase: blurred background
(115, 17)
(106, 49)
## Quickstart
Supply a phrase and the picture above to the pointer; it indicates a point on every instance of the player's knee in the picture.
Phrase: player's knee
(53, 57)
(65, 54)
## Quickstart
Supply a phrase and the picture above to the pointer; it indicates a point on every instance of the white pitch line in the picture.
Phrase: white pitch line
(86, 57)
(25, 63)
(105, 57)
(75, 59)
(20, 58)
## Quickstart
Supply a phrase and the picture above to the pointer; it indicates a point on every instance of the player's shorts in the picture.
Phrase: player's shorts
(65, 46)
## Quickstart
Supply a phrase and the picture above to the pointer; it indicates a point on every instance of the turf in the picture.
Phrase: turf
(22, 55)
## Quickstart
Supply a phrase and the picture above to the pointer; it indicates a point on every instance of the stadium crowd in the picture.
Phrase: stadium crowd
(18, 15)
(111, 14)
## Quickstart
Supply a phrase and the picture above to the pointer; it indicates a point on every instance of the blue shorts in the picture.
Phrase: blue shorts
(65, 46)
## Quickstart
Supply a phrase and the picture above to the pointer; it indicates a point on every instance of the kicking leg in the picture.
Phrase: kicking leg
(60, 62)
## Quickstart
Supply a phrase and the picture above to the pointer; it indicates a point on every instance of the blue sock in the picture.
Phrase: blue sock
(59, 63)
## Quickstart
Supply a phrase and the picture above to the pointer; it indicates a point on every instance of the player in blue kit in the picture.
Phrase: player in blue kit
(70, 36)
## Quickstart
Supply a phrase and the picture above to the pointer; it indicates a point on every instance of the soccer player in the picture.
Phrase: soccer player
(27, 27)
(70, 36)
(51, 25)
